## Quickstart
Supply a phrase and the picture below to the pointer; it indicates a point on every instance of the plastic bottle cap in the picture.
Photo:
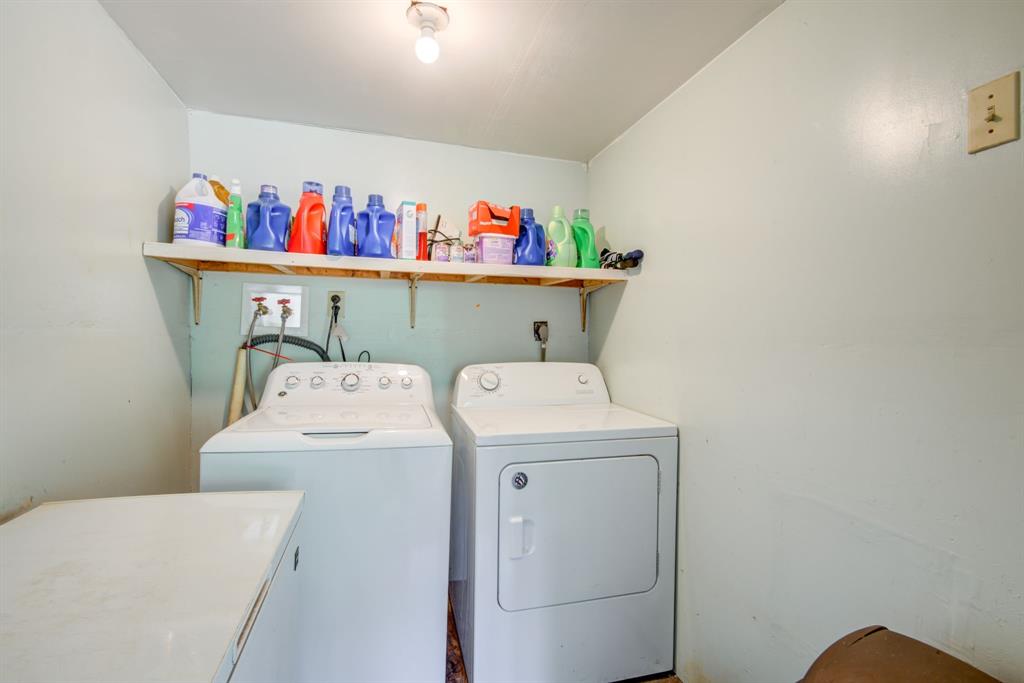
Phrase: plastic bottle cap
(312, 186)
(582, 213)
(236, 186)
(558, 212)
(268, 189)
(342, 192)
(526, 214)
(199, 175)
(215, 177)
(375, 200)
(421, 207)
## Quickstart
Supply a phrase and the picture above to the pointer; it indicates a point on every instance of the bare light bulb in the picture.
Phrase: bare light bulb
(427, 49)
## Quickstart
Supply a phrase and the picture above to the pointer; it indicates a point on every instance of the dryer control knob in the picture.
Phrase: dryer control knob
(291, 382)
(489, 381)
(407, 382)
(316, 382)
(384, 382)
(583, 379)
(350, 382)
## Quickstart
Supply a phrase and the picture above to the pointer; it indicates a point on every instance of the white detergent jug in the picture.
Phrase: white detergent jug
(199, 216)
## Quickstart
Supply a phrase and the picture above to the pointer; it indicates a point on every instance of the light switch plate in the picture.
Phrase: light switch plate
(993, 113)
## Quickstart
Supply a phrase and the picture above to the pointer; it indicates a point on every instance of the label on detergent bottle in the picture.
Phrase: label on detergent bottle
(200, 222)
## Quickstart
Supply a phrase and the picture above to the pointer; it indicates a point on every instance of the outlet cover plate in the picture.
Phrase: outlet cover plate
(341, 294)
(298, 301)
(998, 100)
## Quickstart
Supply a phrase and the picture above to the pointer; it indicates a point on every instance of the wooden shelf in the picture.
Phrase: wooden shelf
(195, 260)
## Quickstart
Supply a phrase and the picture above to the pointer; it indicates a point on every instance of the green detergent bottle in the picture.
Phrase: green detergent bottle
(586, 248)
(561, 243)
(235, 236)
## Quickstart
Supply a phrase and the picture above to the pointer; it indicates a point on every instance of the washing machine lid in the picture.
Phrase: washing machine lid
(349, 427)
(336, 419)
(514, 425)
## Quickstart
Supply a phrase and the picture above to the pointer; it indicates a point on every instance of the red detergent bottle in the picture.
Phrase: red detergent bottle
(309, 234)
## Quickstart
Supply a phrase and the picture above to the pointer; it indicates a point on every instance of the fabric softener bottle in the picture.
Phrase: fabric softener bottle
(374, 229)
(309, 234)
(341, 231)
(267, 220)
(561, 244)
(583, 232)
(531, 247)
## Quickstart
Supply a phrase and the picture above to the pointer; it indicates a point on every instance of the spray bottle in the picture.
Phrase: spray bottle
(236, 217)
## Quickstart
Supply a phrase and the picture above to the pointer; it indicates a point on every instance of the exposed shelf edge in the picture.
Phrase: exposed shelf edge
(195, 260)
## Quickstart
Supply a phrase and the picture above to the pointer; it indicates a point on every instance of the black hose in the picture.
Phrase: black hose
(261, 339)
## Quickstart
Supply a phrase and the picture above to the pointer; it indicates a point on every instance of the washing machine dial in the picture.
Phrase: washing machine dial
(384, 382)
(583, 379)
(407, 382)
(350, 382)
(291, 382)
(489, 381)
(316, 382)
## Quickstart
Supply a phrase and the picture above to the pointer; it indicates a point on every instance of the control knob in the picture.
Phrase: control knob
(407, 382)
(291, 382)
(316, 382)
(583, 379)
(489, 381)
(384, 382)
(350, 382)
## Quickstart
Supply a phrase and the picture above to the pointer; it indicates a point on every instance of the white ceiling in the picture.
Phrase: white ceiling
(556, 78)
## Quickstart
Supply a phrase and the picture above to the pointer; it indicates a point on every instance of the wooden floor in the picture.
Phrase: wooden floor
(457, 669)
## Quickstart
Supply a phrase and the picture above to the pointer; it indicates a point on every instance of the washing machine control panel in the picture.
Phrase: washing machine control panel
(341, 383)
(525, 384)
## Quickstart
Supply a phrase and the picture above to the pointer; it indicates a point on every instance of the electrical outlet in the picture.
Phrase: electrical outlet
(341, 302)
(297, 297)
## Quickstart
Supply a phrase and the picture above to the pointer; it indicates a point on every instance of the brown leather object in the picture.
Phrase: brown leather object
(877, 655)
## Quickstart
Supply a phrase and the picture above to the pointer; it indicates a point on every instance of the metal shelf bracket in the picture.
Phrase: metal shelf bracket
(197, 288)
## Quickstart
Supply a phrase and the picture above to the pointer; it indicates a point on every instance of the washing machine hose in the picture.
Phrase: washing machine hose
(261, 339)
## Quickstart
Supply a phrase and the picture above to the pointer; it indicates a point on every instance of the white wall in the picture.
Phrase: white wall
(94, 360)
(457, 324)
(832, 310)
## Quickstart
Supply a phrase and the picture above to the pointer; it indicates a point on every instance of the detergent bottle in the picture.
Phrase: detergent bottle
(374, 229)
(561, 244)
(199, 217)
(583, 232)
(341, 231)
(236, 217)
(267, 221)
(531, 247)
(219, 190)
(309, 234)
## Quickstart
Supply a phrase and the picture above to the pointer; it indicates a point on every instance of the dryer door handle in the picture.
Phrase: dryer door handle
(521, 537)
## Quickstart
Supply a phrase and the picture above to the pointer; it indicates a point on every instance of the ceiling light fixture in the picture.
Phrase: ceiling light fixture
(429, 19)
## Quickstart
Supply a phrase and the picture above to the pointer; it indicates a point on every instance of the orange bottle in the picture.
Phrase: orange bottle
(309, 234)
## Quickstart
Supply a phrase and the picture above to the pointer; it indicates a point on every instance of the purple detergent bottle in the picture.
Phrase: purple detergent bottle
(531, 245)
(341, 230)
(374, 229)
(267, 221)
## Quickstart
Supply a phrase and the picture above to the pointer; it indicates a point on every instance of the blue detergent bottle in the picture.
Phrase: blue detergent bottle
(531, 245)
(267, 221)
(341, 229)
(374, 229)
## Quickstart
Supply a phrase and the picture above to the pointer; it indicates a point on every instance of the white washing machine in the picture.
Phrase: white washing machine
(365, 443)
(563, 527)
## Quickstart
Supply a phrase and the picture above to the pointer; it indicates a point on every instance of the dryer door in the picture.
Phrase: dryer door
(575, 530)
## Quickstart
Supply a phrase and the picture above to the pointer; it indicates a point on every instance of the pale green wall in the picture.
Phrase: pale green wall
(94, 359)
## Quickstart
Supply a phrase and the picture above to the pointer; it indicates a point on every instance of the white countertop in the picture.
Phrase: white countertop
(150, 588)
